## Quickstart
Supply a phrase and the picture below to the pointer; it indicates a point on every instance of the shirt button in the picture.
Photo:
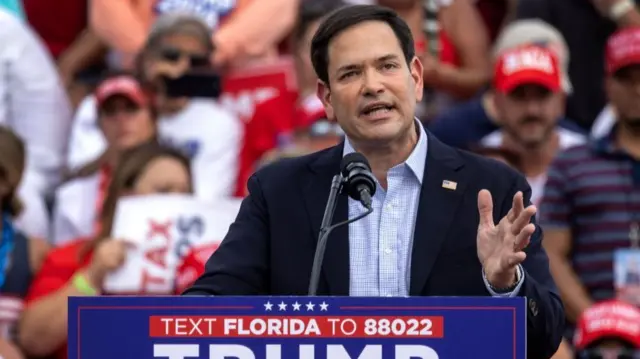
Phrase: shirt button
(389, 206)
(389, 295)
(387, 251)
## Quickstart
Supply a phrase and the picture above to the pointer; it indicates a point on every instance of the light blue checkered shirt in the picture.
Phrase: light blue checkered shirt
(380, 244)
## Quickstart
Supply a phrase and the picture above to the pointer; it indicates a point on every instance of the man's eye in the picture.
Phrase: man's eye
(347, 74)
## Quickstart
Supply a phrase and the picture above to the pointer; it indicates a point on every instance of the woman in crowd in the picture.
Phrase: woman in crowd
(79, 268)
(20, 257)
(126, 119)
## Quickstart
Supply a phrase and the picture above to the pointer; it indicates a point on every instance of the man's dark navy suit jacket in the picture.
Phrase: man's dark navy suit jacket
(269, 249)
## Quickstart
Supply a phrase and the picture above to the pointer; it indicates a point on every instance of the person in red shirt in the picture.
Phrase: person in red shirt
(275, 118)
(59, 23)
(80, 267)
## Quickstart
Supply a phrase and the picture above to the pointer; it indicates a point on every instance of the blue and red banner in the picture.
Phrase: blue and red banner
(297, 328)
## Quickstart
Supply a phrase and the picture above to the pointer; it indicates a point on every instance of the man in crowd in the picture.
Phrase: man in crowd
(591, 205)
(529, 100)
(466, 124)
(579, 20)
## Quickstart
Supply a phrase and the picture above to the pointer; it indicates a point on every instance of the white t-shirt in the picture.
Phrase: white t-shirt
(34, 104)
(74, 212)
(567, 139)
(212, 137)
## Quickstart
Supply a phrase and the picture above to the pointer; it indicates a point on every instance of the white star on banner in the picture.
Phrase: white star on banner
(282, 306)
(268, 306)
(310, 306)
(324, 306)
(296, 306)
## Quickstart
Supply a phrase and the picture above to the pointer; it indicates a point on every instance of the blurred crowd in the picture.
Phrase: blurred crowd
(103, 99)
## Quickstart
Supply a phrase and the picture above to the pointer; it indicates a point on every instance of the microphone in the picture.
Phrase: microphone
(360, 184)
(356, 179)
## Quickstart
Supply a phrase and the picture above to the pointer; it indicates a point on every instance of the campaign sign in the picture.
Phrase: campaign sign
(161, 230)
(246, 87)
(297, 328)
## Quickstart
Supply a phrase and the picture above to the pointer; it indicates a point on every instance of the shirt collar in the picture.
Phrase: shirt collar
(606, 145)
(416, 160)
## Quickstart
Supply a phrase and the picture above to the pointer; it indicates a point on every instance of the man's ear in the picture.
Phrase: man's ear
(324, 94)
(417, 71)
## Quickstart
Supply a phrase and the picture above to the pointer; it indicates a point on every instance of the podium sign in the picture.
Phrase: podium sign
(297, 328)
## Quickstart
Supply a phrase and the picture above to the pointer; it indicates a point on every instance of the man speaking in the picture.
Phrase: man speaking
(432, 231)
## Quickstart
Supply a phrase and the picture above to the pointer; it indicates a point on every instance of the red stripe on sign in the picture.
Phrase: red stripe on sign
(297, 326)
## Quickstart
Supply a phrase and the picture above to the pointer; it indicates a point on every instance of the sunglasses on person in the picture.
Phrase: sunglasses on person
(608, 353)
(173, 54)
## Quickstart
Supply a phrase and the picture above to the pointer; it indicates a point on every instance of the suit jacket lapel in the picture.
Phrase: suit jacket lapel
(436, 211)
(335, 269)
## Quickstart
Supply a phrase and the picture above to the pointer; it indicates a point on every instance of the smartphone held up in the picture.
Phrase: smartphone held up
(194, 84)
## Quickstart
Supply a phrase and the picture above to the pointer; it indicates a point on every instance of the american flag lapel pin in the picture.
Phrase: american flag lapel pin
(449, 185)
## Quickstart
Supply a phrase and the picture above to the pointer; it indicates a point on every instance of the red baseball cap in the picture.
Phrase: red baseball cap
(526, 65)
(124, 85)
(623, 49)
(609, 319)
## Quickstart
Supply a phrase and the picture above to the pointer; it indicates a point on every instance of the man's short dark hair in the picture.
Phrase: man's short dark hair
(349, 16)
(311, 11)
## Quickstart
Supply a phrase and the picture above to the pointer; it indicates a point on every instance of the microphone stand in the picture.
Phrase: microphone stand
(325, 230)
(330, 209)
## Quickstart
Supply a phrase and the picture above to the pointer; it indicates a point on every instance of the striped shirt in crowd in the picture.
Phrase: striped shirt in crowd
(593, 190)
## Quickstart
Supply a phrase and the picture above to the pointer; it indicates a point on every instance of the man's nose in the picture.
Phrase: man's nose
(533, 107)
(372, 84)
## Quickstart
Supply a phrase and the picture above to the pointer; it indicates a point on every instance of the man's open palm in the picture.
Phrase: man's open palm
(500, 247)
